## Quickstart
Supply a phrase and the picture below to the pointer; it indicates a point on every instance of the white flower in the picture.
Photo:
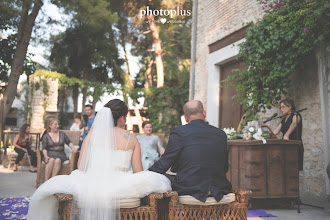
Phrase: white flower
(259, 131)
(251, 129)
(230, 132)
(259, 137)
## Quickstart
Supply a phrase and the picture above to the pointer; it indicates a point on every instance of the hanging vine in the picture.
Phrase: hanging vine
(276, 48)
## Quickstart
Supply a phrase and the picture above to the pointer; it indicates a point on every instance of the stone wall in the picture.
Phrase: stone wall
(307, 95)
(215, 20)
(37, 100)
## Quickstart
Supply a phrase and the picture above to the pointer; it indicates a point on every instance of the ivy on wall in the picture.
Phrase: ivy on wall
(70, 81)
(275, 49)
(63, 81)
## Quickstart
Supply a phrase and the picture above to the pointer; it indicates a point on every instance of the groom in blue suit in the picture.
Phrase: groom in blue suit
(197, 152)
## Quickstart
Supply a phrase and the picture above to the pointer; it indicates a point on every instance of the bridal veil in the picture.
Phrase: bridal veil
(96, 199)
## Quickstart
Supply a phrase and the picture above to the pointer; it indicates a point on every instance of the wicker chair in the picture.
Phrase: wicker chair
(66, 169)
(234, 211)
(148, 211)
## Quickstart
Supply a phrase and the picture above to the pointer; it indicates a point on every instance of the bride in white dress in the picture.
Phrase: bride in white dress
(103, 177)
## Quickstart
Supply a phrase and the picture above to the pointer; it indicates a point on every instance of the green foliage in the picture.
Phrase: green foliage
(45, 87)
(9, 19)
(70, 81)
(165, 107)
(276, 47)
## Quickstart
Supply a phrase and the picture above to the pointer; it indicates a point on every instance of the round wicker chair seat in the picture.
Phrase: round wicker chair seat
(147, 211)
(189, 200)
(126, 203)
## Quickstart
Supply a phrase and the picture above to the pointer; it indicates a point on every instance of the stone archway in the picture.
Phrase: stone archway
(43, 95)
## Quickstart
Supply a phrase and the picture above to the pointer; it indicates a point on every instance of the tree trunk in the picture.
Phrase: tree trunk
(23, 38)
(84, 90)
(148, 76)
(158, 51)
(129, 123)
(126, 58)
(94, 102)
(96, 96)
(75, 93)
(138, 116)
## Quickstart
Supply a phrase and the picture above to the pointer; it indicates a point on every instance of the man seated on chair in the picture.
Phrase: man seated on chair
(197, 152)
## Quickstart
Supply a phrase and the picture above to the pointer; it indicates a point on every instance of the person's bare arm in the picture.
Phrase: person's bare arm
(136, 156)
(278, 129)
(16, 144)
(239, 127)
(72, 147)
(30, 139)
(81, 124)
(45, 155)
(161, 149)
(292, 127)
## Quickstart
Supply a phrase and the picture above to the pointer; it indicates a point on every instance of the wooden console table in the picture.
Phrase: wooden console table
(269, 170)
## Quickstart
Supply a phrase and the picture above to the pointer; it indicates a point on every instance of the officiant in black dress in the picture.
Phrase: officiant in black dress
(197, 153)
(291, 126)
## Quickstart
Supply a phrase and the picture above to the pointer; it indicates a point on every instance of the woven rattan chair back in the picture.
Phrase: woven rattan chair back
(74, 136)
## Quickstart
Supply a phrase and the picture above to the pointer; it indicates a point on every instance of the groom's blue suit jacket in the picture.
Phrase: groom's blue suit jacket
(197, 152)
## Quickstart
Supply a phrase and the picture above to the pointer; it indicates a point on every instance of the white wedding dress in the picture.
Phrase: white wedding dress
(95, 187)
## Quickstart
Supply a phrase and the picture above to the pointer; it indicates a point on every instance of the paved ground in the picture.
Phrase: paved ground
(22, 183)
(17, 184)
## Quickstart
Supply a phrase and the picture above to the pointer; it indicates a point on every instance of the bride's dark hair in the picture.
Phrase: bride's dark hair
(118, 109)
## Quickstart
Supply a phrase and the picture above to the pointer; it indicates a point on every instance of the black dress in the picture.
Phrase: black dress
(55, 150)
(295, 135)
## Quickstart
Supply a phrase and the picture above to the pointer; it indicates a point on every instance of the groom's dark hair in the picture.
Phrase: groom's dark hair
(118, 109)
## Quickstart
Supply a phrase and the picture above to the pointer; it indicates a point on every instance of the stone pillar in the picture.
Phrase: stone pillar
(43, 94)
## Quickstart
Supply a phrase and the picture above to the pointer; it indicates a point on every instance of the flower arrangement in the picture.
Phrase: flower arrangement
(253, 132)
(249, 131)
(231, 133)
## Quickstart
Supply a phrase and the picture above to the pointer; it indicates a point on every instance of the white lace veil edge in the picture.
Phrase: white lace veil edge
(95, 198)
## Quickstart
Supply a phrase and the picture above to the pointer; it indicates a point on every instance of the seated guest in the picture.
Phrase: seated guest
(76, 123)
(53, 148)
(75, 127)
(151, 147)
(197, 152)
(22, 144)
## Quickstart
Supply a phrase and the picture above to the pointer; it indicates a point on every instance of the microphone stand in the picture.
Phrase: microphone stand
(299, 202)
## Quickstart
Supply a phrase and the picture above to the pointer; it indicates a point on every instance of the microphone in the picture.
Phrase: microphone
(270, 118)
